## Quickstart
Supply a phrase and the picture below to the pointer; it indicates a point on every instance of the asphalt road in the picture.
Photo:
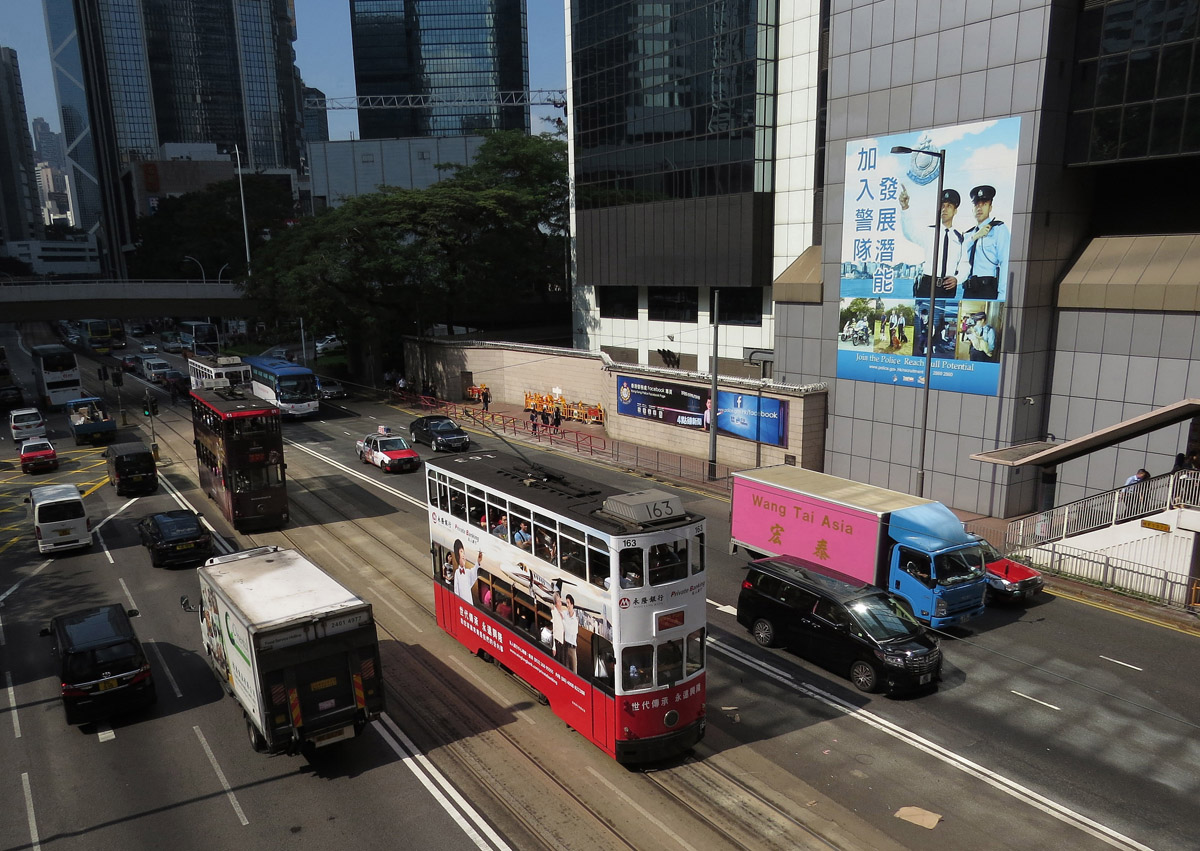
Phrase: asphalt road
(1057, 724)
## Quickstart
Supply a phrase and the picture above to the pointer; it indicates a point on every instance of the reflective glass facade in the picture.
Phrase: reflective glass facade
(673, 141)
(1136, 91)
(456, 49)
(20, 214)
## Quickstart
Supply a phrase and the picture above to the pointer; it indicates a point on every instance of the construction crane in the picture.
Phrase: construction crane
(533, 97)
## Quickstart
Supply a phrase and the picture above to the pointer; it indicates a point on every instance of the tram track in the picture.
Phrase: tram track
(717, 808)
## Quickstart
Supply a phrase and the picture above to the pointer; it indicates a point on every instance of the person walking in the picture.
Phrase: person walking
(557, 420)
(533, 422)
(486, 398)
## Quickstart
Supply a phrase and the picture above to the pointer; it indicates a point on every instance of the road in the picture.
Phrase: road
(1057, 723)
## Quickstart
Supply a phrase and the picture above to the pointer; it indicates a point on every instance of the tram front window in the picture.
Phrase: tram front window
(697, 551)
(668, 562)
(694, 662)
(632, 572)
(257, 478)
(636, 668)
(670, 662)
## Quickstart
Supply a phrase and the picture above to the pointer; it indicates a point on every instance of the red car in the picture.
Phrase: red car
(38, 454)
(1008, 580)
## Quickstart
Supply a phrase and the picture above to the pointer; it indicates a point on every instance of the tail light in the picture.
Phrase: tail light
(89, 524)
(69, 690)
(142, 675)
(38, 530)
(747, 585)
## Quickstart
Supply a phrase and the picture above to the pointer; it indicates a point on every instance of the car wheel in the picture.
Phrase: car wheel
(436, 445)
(362, 456)
(24, 468)
(764, 632)
(257, 742)
(865, 676)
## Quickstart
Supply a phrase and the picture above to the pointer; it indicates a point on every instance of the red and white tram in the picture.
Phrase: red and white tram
(593, 596)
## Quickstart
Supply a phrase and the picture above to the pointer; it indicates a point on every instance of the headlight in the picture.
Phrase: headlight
(939, 607)
(896, 660)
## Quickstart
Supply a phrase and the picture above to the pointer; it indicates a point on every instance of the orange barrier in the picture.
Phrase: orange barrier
(583, 412)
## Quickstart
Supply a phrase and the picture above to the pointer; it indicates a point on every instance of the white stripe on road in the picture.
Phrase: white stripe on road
(451, 800)
(163, 663)
(992, 778)
(104, 733)
(729, 610)
(100, 525)
(350, 471)
(1035, 700)
(36, 571)
(237, 808)
(34, 842)
(218, 540)
(12, 704)
(1119, 662)
(1, 632)
(128, 596)
(650, 817)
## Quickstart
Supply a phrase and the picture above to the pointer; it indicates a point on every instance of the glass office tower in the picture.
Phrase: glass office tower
(463, 51)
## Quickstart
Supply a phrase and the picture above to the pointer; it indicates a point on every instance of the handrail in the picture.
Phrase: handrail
(1117, 574)
(1180, 489)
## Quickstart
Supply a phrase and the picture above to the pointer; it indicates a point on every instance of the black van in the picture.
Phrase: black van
(841, 623)
(131, 468)
(101, 664)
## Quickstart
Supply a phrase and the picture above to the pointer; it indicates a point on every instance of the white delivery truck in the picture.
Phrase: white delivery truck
(293, 646)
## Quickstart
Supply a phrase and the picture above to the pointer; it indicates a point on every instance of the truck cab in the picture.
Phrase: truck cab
(935, 565)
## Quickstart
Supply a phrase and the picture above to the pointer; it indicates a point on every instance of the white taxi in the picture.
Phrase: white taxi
(389, 452)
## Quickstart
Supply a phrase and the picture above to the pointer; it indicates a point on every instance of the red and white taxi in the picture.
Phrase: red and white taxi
(389, 452)
(1008, 580)
(38, 454)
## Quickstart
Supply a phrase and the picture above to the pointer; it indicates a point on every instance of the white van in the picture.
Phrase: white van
(60, 519)
(154, 368)
(25, 423)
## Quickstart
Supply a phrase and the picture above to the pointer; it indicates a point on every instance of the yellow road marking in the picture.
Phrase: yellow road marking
(1066, 595)
(4, 547)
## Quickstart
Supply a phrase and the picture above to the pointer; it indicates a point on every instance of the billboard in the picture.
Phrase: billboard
(893, 222)
(742, 415)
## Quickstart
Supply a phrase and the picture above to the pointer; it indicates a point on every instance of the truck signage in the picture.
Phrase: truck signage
(308, 631)
(776, 522)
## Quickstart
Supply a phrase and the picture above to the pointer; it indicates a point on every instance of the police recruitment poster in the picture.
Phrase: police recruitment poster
(900, 238)
(743, 415)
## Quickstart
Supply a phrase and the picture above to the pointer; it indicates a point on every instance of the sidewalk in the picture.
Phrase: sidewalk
(589, 440)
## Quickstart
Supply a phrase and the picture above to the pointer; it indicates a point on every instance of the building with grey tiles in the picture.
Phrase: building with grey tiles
(1072, 131)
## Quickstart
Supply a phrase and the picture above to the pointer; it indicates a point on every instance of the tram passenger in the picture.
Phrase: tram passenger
(500, 530)
(521, 536)
(503, 607)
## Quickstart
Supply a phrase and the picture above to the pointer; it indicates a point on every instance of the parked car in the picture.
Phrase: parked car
(38, 454)
(25, 423)
(440, 432)
(330, 388)
(329, 344)
(11, 397)
(101, 664)
(1007, 580)
(175, 537)
(852, 628)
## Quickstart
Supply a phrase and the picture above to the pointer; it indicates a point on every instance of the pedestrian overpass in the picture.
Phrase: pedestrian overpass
(23, 301)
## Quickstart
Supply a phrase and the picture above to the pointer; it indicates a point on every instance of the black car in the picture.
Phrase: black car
(173, 377)
(439, 432)
(175, 537)
(850, 627)
(101, 664)
(11, 397)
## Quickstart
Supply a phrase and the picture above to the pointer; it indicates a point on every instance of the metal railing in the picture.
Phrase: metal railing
(1173, 490)
(1138, 580)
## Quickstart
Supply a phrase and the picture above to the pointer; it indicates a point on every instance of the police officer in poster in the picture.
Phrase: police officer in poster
(986, 248)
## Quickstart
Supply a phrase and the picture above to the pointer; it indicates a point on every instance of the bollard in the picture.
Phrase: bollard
(154, 450)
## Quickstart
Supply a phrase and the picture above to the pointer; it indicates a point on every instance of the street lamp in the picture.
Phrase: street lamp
(223, 268)
(203, 279)
(242, 192)
(933, 282)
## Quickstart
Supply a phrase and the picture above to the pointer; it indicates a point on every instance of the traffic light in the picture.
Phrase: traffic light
(146, 405)
(154, 406)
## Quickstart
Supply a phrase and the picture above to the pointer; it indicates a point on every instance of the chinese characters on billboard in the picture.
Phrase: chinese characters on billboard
(889, 241)
(742, 415)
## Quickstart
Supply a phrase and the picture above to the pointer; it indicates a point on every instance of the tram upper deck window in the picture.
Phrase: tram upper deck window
(477, 508)
(574, 554)
(697, 553)
(545, 538)
(668, 562)
(631, 564)
(599, 564)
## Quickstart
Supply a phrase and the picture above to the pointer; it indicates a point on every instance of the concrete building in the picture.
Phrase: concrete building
(1070, 130)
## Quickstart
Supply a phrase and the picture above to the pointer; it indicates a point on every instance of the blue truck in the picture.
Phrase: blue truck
(90, 421)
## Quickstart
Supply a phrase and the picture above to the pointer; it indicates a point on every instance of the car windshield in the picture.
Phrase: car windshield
(393, 444)
(184, 526)
(959, 566)
(990, 553)
(443, 425)
(883, 618)
(36, 447)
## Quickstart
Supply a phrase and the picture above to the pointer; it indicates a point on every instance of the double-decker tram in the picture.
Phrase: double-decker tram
(55, 375)
(239, 453)
(199, 337)
(593, 596)
(290, 387)
(209, 372)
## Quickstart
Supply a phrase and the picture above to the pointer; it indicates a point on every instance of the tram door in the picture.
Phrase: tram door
(604, 721)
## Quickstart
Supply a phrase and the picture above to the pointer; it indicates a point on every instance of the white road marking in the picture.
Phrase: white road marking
(237, 808)
(34, 842)
(645, 813)
(349, 471)
(1035, 700)
(406, 618)
(458, 808)
(218, 540)
(36, 571)
(729, 610)
(104, 733)
(128, 596)
(100, 525)
(908, 737)
(163, 663)
(12, 704)
(1, 632)
(104, 547)
(1105, 658)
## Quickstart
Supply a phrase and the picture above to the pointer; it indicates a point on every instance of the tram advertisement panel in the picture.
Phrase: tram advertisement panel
(892, 224)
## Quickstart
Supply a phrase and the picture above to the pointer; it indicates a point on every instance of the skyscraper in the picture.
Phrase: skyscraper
(316, 121)
(20, 218)
(462, 50)
(47, 145)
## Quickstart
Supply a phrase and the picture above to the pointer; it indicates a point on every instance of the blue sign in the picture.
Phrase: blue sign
(747, 416)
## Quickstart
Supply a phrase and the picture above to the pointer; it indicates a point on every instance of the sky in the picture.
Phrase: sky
(323, 55)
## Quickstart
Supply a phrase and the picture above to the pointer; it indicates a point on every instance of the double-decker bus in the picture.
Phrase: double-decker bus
(95, 335)
(239, 455)
(209, 372)
(593, 596)
(116, 333)
(199, 337)
(55, 375)
(290, 387)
